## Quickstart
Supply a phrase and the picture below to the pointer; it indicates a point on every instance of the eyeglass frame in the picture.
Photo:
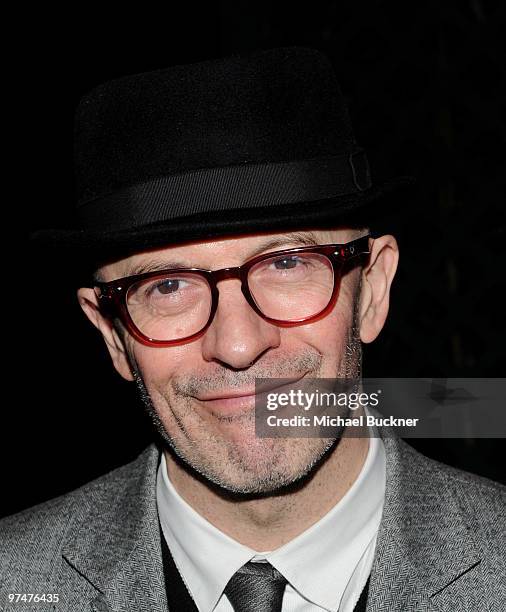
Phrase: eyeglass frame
(112, 295)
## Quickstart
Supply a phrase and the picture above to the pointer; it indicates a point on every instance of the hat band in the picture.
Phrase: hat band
(226, 188)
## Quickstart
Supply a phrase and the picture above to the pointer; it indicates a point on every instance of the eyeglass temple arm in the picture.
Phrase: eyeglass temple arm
(105, 301)
(357, 247)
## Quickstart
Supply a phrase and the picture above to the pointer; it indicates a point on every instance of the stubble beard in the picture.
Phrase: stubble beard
(267, 465)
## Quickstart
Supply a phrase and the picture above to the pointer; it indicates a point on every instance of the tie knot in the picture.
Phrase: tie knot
(263, 570)
(256, 587)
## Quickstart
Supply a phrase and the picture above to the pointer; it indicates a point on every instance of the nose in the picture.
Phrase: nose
(237, 335)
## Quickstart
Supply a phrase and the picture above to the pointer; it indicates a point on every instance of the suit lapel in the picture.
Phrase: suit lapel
(425, 556)
(112, 552)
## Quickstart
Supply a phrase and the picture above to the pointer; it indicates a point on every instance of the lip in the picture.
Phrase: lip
(233, 402)
(226, 395)
(229, 406)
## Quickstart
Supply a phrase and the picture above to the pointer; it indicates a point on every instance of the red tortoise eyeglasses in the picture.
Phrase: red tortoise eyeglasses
(286, 287)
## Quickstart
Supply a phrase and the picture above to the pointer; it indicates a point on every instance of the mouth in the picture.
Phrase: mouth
(226, 407)
(238, 402)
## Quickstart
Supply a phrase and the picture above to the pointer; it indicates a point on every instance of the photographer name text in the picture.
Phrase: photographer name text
(339, 421)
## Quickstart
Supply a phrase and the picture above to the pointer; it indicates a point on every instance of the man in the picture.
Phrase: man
(224, 208)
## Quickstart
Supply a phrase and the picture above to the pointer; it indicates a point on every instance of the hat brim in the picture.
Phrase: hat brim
(98, 246)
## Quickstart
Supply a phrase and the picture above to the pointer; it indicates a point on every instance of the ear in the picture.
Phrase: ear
(89, 303)
(377, 278)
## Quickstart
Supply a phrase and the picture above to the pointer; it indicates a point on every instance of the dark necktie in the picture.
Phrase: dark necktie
(255, 587)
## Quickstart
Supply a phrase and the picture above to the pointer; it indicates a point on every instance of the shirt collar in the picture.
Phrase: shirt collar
(206, 557)
(318, 563)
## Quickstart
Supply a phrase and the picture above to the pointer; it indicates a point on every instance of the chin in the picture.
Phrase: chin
(265, 468)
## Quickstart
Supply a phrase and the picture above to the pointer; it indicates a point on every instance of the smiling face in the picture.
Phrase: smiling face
(187, 388)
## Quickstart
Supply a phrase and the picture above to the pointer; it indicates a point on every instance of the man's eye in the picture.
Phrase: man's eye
(167, 286)
(286, 263)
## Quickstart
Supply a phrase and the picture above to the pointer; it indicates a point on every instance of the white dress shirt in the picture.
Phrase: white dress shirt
(326, 566)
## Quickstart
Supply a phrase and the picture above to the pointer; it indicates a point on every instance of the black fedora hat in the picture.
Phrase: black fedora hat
(254, 142)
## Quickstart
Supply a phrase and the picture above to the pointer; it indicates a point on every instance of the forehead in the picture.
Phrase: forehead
(226, 251)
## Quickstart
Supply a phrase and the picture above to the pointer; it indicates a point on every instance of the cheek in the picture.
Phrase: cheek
(331, 334)
(159, 365)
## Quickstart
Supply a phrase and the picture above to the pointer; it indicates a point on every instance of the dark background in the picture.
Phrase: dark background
(425, 85)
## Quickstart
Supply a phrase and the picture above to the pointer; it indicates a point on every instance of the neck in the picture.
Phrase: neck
(265, 524)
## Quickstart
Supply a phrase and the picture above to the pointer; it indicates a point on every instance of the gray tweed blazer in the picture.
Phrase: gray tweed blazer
(441, 543)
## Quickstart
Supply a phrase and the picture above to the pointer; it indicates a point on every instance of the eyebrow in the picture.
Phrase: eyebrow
(307, 238)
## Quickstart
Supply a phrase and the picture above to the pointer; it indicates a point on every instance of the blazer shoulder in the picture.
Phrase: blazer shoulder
(480, 502)
(39, 531)
(463, 483)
